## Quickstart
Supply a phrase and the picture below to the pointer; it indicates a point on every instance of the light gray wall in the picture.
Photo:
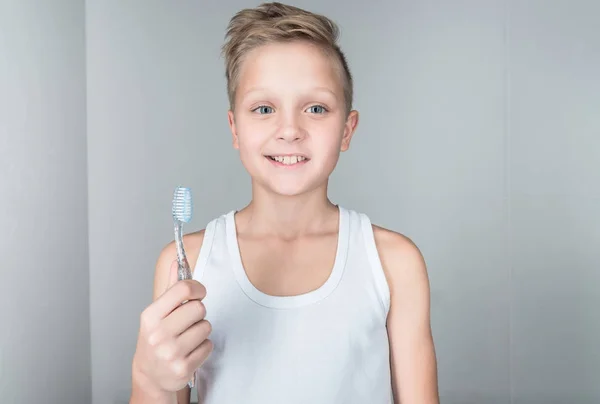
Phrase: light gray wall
(554, 162)
(44, 301)
(156, 120)
(486, 117)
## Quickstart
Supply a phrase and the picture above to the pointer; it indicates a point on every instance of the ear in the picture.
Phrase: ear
(349, 129)
(231, 119)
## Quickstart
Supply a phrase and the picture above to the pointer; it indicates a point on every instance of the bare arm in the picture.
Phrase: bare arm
(162, 274)
(414, 367)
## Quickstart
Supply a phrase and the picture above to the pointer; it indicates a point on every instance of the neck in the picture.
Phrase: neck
(287, 216)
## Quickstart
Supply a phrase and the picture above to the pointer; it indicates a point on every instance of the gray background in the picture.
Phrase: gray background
(486, 116)
(44, 263)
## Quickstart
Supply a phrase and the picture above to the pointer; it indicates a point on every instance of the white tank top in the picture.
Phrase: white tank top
(326, 346)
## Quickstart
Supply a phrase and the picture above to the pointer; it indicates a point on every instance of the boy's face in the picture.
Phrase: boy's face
(290, 119)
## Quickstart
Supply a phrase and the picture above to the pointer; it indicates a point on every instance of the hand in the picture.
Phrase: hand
(172, 341)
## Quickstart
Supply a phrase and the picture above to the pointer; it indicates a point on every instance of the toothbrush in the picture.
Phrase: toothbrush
(182, 213)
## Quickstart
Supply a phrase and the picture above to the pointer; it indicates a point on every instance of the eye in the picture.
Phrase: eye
(263, 109)
(317, 109)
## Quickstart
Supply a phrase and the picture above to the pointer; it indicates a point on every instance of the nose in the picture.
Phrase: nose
(291, 130)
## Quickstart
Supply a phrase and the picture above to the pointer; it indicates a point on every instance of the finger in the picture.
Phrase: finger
(193, 337)
(188, 289)
(184, 316)
(199, 355)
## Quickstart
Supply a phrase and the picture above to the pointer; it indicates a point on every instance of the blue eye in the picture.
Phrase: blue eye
(317, 109)
(264, 109)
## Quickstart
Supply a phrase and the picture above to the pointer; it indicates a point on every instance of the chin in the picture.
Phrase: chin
(289, 188)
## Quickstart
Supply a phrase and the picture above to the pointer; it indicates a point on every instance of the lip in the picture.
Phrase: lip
(287, 155)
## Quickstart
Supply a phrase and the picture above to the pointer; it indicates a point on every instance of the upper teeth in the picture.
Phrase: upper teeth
(288, 159)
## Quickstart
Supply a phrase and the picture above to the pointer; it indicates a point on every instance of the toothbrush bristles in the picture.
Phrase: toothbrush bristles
(182, 204)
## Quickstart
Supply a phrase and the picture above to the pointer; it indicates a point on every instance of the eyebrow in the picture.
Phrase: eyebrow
(264, 89)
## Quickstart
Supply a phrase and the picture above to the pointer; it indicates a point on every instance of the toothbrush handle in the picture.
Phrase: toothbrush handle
(184, 272)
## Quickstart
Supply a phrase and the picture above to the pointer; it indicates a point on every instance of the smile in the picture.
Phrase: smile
(288, 160)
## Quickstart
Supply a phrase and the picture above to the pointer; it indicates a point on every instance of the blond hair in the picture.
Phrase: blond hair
(275, 23)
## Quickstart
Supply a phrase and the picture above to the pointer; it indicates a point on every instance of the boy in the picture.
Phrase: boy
(304, 301)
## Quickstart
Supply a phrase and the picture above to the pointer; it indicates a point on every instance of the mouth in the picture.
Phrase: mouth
(288, 160)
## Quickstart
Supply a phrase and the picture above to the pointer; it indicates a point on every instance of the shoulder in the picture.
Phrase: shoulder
(395, 245)
(397, 251)
(403, 265)
(192, 242)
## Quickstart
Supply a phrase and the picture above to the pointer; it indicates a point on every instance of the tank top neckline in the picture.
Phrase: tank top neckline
(289, 302)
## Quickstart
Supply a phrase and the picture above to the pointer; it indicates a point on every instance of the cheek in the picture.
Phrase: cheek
(249, 150)
(249, 135)
(251, 141)
(329, 139)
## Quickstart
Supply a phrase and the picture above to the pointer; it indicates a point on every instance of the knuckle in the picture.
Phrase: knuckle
(155, 338)
(145, 319)
(167, 353)
(179, 368)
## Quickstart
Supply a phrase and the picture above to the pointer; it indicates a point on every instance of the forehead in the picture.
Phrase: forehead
(288, 67)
